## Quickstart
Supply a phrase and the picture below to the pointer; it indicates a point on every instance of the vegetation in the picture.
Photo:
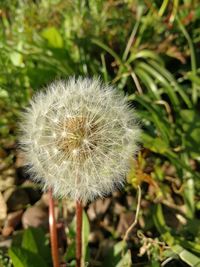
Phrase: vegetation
(148, 49)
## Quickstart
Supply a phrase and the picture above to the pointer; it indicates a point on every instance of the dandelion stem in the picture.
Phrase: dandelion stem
(53, 231)
(79, 215)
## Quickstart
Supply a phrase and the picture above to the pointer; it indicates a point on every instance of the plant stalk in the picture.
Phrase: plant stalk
(53, 231)
(79, 218)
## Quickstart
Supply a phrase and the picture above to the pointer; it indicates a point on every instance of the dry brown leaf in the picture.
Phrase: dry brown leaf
(3, 209)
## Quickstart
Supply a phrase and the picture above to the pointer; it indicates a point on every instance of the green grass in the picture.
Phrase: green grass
(148, 49)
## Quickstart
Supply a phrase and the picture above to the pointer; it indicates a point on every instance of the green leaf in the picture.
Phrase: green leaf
(53, 37)
(166, 232)
(17, 59)
(24, 258)
(155, 144)
(157, 116)
(107, 49)
(16, 256)
(186, 256)
(125, 261)
(145, 54)
(3, 93)
(189, 196)
(115, 258)
(160, 224)
(172, 82)
(34, 240)
(190, 122)
(149, 83)
(85, 236)
(70, 253)
(197, 11)
(193, 78)
(156, 74)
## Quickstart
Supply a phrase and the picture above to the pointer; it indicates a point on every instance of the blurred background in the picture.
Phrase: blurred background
(150, 51)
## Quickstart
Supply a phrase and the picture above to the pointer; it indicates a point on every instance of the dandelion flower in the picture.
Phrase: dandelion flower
(78, 137)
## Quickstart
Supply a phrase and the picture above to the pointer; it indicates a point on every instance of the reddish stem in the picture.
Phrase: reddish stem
(79, 216)
(53, 231)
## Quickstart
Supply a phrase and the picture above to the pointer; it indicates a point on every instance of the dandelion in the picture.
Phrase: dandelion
(78, 137)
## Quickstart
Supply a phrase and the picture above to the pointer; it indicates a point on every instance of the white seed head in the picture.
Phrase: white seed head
(78, 137)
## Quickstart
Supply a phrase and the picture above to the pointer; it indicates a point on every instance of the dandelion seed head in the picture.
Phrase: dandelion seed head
(78, 137)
